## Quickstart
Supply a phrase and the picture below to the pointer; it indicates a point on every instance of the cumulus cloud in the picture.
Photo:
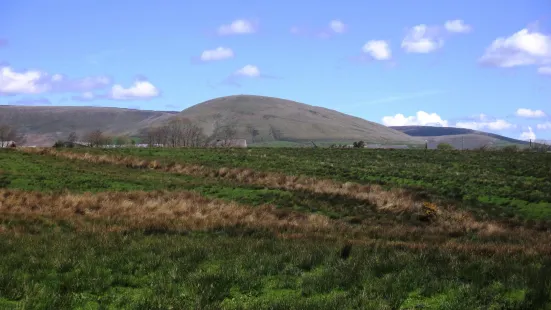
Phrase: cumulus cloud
(239, 26)
(337, 26)
(36, 82)
(530, 113)
(421, 118)
(378, 49)
(544, 126)
(218, 53)
(457, 26)
(141, 89)
(422, 39)
(31, 102)
(248, 71)
(545, 70)
(525, 47)
(528, 135)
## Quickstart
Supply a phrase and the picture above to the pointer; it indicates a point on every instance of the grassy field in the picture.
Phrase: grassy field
(498, 183)
(270, 229)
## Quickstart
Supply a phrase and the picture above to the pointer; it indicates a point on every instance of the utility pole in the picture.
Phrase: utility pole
(462, 143)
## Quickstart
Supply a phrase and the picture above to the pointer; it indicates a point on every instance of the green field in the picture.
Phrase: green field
(170, 228)
(500, 183)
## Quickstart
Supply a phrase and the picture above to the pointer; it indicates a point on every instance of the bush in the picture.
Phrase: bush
(445, 146)
(359, 144)
(510, 148)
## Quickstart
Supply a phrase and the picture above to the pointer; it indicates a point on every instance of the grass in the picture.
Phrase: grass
(154, 229)
(137, 271)
(502, 184)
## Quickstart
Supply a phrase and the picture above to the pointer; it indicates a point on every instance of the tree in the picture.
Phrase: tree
(95, 138)
(359, 144)
(253, 132)
(445, 146)
(72, 138)
(8, 133)
(223, 133)
(275, 133)
(121, 141)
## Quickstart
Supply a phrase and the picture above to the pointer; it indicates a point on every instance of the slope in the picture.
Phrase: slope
(45, 124)
(458, 137)
(266, 119)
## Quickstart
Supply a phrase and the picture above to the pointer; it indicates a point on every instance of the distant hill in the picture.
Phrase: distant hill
(279, 120)
(458, 137)
(275, 122)
(45, 124)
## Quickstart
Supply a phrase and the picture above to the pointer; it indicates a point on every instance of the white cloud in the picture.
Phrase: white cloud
(422, 39)
(218, 53)
(544, 126)
(457, 26)
(35, 82)
(528, 135)
(530, 113)
(337, 26)
(249, 71)
(421, 118)
(378, 49)
(26, 82)
(544, 70)
(524, 47)
(239, 26)
(139, 90)
(482, 125)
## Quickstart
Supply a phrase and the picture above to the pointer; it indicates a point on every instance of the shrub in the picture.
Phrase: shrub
(510, 148)
(445, 146)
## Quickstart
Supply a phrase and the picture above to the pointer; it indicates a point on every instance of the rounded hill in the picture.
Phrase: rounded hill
(264, 119)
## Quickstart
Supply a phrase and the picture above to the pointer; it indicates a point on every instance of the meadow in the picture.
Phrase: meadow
(274, 229)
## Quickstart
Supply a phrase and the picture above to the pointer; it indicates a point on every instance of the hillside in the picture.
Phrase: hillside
(458, 137)
(277, 120)
(45, 124)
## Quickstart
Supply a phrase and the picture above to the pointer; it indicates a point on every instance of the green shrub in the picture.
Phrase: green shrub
(445, 146)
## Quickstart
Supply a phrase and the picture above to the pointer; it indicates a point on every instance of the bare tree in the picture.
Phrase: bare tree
(275, 133)
(72, 138)
(95, 138)
(8, 134)
(253, 132)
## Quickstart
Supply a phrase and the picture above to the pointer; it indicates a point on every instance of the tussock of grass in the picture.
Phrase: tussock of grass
(180, 212)
(155, 211)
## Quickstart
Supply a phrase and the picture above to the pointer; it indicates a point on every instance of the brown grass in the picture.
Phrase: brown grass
(163, 211)
(167, 212)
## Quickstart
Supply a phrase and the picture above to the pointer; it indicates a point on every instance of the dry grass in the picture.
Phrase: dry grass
(159, 211)
(166, 212)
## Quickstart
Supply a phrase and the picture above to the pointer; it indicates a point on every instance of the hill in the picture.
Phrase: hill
(264, 120)
(458, 137)
(43, 125)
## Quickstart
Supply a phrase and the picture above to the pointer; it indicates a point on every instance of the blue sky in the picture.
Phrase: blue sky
(478, 64)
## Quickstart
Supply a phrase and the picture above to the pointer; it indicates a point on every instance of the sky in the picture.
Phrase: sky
(482, 65)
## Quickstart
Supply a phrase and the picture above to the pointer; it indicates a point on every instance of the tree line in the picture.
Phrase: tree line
(177, 132)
